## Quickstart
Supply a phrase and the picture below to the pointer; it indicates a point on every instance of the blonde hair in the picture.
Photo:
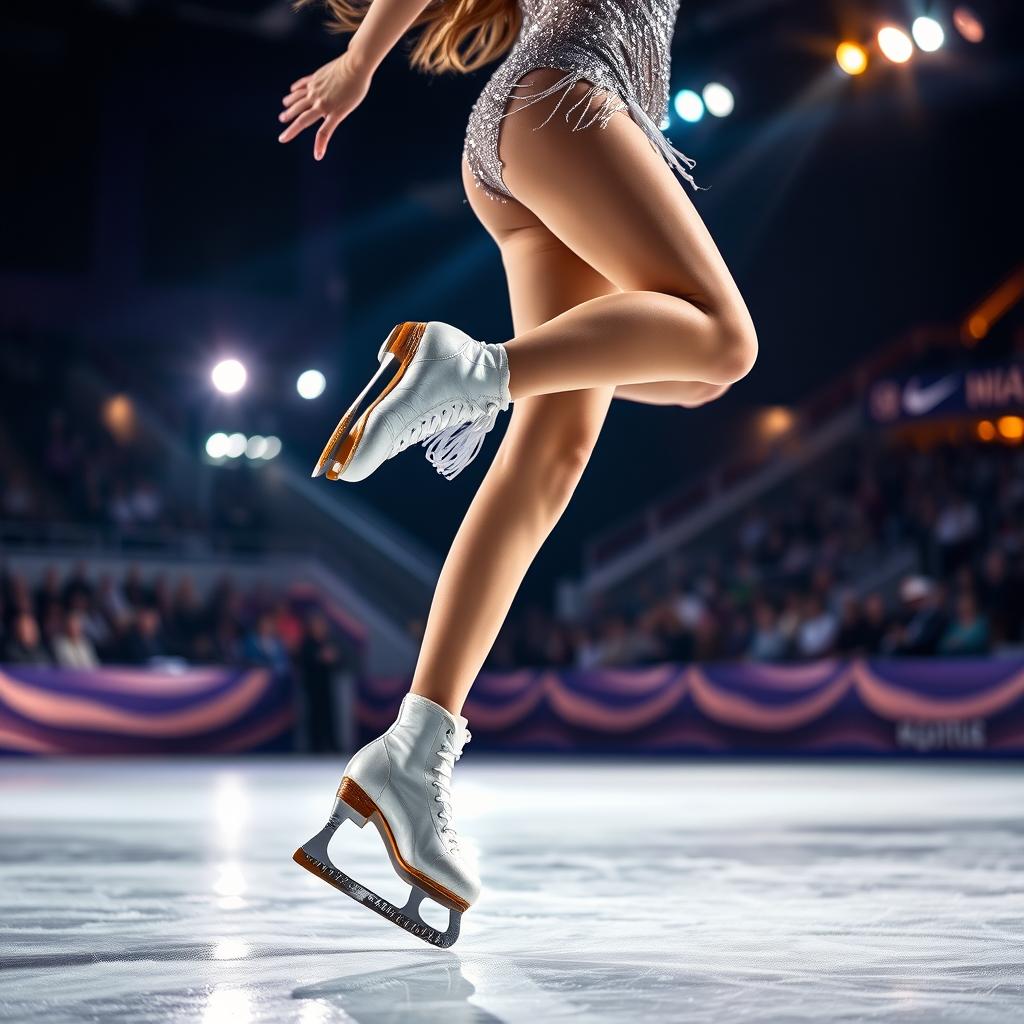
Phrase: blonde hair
(455, 35)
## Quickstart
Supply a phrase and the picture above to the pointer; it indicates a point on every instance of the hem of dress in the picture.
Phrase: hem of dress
(614, 102)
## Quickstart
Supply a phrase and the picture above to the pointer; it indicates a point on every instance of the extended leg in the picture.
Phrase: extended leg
(527, 487)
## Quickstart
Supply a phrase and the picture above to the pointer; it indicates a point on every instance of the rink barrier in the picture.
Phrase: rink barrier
(113, 710)
(912, 707)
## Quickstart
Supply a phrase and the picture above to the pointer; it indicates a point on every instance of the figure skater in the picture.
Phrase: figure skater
(616, 289)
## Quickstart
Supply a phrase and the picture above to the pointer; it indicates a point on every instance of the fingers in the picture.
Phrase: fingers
(299, 125)
(294, 97)
(293, 112)
(323, 136)
(301, 83)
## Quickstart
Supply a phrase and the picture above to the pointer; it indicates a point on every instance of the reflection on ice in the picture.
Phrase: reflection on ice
(228, 1006)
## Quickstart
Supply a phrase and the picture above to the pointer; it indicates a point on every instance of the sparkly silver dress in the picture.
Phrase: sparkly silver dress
(619, 47)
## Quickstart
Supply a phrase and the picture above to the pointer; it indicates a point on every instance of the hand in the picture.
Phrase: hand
(330, 95)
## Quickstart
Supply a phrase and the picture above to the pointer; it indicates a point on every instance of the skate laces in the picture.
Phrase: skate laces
(449, 753)
(452, 435)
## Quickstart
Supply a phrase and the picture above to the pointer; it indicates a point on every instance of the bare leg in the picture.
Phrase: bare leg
(533, 476)
(605, 193)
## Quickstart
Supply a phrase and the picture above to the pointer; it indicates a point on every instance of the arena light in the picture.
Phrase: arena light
(217, 445)
(688, 105)
(235, 447)
(986, 430)
(311, 384)
(968, 24)
(1011, 427)
(255, 447)
(718, 99)
(228, 376)
(852, 58)
(895, 44)
(928, 34)
(273, 448)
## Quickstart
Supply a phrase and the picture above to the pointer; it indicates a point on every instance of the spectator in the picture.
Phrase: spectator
(72, 648)
(25, 646)
(968, 633)
(923, 623)
(320, 661)
(144, 639)
(264, 647)
(816, 634)
(767, 642)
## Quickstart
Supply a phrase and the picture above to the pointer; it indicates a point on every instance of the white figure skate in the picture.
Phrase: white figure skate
(445, 391)
(402, 783)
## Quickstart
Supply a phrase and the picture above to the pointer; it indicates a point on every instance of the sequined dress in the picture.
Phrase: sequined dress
(619, 47)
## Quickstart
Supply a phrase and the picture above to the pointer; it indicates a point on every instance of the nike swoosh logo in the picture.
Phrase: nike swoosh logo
(918, 400)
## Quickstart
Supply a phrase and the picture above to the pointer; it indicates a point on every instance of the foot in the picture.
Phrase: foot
(445, 391)
(404, 777)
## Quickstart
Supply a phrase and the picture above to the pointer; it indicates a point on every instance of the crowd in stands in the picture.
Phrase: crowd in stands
(787, 582)
(78, 622)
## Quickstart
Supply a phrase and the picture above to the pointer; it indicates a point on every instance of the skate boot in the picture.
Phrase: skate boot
(443, 389)
(401, 782)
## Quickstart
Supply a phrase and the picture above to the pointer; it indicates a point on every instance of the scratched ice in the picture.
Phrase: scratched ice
(156, 891)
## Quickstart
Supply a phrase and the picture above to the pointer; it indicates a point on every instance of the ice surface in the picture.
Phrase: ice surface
(615, 891)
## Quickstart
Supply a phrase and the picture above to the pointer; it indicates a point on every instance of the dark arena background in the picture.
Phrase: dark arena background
(748, 747)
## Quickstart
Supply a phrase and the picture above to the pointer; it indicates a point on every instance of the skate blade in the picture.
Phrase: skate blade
(401, 344)
(314, 858)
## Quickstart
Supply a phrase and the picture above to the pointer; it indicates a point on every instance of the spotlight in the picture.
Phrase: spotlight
(255, 447)
(928, 34)
(217, 445)
(689, 106)
(895, 44)
(235, 446)
(228, 376)
(853, 59)
(968, 24)
(718, 99)
(273, 448)
(311, 384)
(1011, 427)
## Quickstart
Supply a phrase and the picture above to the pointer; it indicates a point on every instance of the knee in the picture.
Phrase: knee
(701, 394)
(735, 348)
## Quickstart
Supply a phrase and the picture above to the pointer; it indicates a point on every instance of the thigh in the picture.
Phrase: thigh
(610, 198)
(545, 278)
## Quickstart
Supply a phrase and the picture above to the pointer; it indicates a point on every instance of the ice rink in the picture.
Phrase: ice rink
(613, 891)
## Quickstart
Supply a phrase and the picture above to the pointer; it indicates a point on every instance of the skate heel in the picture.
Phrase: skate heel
(353, 803)
(403, 341)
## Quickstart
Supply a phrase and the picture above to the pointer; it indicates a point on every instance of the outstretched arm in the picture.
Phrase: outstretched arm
(335, 90)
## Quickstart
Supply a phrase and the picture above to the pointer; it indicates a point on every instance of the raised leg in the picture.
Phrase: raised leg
(676, 315)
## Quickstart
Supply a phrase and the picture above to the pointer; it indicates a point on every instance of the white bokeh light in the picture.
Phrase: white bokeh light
(228, 376)
(718, 99)
(235, 446)
(688, 105)
(928, 34)
(217, 445)
(273, 448)
(311, 384)
(255, 447)
(895, 44)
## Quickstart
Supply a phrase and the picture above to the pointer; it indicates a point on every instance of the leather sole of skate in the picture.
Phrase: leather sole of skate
(401, 345)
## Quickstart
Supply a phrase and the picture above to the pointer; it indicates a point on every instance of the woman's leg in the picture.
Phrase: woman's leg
(540, 461)
(611, 199)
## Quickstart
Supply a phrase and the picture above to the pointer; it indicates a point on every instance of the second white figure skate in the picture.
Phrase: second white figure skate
(401, 782)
